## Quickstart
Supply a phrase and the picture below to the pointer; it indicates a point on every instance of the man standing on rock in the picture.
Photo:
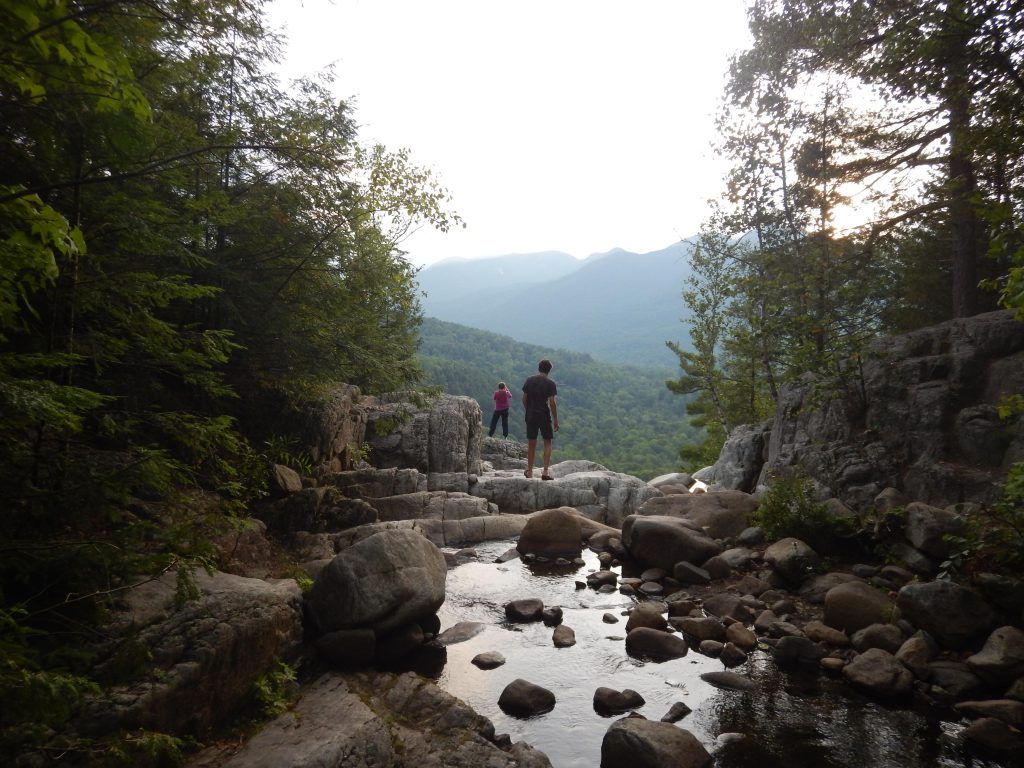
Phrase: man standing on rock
(541, 415)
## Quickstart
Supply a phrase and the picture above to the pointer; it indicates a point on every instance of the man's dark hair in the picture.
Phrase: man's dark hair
(544, 366)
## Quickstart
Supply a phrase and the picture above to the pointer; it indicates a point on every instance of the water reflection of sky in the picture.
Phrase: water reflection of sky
(790, 720)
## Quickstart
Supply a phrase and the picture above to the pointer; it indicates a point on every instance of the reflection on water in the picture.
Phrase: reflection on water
(790, 720)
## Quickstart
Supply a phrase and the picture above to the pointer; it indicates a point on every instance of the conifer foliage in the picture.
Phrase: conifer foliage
(183, 240)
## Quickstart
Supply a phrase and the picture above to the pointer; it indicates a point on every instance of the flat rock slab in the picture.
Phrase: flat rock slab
(729, 681)
(374, 719)
(460, 633)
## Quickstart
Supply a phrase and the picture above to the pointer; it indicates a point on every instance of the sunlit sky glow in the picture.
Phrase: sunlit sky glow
(571, 125)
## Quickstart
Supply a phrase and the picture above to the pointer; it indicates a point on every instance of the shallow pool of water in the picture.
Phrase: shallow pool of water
(789, 720)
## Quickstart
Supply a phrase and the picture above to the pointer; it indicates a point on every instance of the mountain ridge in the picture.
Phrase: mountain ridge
(618, 306)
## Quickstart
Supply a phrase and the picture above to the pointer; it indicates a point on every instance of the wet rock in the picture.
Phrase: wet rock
(488, 660)
(644, 642)
(459, 633)
(740, 636)
(1010, 711)
(563, 637)
(634, 742)
(879, 673)
(792, 650)
(710, 647)
(954, 615)
(609, 618)
(653, 574)
(729, 681)
(599, 579)
(608, 701)
(648, 614)
(651, 588)
(399, 643)
(995, 735)
(551, 616)
(521, 698)
(676, 712)
(524, 611)
(854, 605)
(1001, 659)
(954, 678)
(732, 656)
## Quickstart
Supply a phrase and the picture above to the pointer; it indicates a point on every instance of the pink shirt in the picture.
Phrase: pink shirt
(502, 398)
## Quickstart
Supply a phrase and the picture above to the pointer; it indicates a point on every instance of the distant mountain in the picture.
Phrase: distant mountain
(623, 417)
(618, 306)
(457, 279)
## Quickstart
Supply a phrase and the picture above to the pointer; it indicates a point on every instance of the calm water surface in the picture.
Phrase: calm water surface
(790, 720)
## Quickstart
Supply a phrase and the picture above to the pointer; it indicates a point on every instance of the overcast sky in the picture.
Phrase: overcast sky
(570, 125)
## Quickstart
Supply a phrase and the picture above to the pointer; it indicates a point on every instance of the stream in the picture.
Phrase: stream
(790, 720)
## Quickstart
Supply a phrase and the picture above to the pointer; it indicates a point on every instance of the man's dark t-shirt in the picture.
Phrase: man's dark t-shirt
(538, 389)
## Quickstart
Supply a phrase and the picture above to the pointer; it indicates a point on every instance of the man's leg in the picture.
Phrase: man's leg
(547, 454)
(531, 453)
(494, 423)
(504, 423)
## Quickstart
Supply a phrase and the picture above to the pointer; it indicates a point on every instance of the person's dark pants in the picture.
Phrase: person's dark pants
(504, 423)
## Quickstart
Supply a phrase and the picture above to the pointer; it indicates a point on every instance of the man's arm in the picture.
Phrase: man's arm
(554, 412)
(524, 399)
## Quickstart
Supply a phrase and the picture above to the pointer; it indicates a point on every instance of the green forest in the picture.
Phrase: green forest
(620, 416)
(192, 251)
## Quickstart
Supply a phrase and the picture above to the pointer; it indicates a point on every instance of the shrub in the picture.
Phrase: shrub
(789, 508)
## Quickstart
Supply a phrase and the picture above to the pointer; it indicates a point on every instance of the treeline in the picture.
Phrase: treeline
(190, 250)
(876, 185)
(620, 416)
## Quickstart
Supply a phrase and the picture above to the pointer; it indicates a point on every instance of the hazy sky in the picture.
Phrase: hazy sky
(571, 125)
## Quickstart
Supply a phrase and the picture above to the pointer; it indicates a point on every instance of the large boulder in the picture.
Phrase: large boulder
(635, 742)
(551, 533)
(722, 514)
(661, 542)
(521, 698)
(792, 559)
(853, 605)
(1001, 659)
(205, 655)
(928, 528)
(647, 643)
(953, 614)
(385, 581)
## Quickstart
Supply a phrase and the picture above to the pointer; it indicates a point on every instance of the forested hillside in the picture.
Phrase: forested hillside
(620, 416)
(617, 306)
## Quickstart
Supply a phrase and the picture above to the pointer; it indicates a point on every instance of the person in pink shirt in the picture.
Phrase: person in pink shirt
(502, 400)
